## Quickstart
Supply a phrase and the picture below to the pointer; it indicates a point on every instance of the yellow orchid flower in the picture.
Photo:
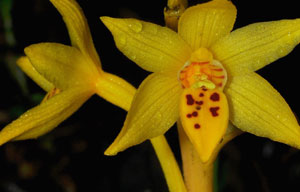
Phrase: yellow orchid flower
(70, 75)
(205, 76)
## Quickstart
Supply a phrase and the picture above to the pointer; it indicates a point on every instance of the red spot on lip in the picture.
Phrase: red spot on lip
(189, 99)
(195, 114)
(198, 107)
(197, 126)
(199, 102)
(201, 95)
(215, 97)
(214, 111)
(189, 115)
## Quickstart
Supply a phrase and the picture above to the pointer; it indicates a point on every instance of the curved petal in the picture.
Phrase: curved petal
(256, 107)
(78, 28)
(256, 45)
(203, 24)
(26, 66)
(153, 111)
(168, 164)
(46, 116)
(115, 90)
(152, 47)
(62, 65)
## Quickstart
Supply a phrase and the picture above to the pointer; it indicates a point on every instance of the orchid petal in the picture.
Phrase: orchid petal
(257, 45)
(203, 24)
(256, 107)
(26, 66)
(62, 65)
(46, 116)
(115, 90)
(152, 47)
(78, 28)
(153, 111)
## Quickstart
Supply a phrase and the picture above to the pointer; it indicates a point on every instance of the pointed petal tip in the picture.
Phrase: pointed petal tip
(121, 143)
(108, 21)
(110, 151)
(21, 60)
(293, 141)
(31, 49)
(28, 49)
(105, 18)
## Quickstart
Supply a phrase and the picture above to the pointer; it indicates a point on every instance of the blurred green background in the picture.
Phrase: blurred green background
(70, 158)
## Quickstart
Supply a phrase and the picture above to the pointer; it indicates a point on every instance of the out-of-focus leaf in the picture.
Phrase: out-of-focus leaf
(5, 11)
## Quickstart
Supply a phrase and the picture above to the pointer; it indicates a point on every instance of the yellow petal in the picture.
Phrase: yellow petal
(26, 66)
(203, 24)
(152, 47)
(204, 117)
(46, 116)
(78, 28)
(51, 94)
(168, 164)
(256, 107)
(115, 90)
(153, 111)
(256, 45)
(62, 65)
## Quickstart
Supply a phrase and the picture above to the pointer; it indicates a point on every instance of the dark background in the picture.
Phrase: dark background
(71, 159)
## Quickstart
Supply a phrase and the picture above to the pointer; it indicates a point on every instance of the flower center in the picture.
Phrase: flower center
(202, 71)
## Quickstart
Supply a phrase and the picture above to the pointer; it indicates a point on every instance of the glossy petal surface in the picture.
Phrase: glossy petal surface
(45, 117)
(153, 111)
(256, 107)
(257, 45)
(204, 117)
(26, 66)
(62, 65)
(78, 28)
(152, 47)
(203, 24)
(115, 90)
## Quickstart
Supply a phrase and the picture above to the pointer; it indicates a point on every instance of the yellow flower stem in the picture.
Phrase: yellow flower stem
(173, 11)
(198, 176)
(121, 93)
(169, 164)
